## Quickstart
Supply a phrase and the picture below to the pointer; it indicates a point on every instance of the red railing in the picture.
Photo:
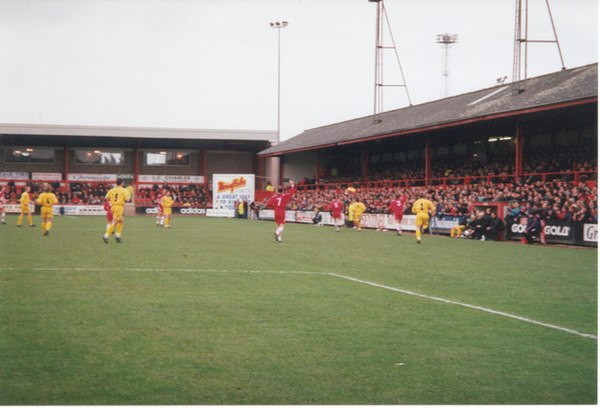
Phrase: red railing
(574, 176)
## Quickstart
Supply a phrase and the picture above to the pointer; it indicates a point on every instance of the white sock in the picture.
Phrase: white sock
(279, 230)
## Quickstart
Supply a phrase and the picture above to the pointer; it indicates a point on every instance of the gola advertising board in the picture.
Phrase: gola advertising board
(558, 232)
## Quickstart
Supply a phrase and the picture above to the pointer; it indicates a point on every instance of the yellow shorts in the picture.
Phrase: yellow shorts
(25, 209)
(167, 211)
(117, 212)
(46, 212)
(422, 219)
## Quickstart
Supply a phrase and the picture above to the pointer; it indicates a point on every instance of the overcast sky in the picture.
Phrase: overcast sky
(213, 64)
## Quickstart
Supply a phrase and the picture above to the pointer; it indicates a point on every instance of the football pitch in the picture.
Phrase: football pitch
(214, 311)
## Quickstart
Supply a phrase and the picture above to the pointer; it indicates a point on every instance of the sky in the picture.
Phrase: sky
(200, 64)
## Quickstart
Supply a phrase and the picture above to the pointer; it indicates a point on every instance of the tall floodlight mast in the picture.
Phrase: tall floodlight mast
(446, 40)
(379, 48)
(522, 42)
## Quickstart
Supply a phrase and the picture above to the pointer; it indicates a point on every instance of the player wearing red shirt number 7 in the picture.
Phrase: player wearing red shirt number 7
(278, 202)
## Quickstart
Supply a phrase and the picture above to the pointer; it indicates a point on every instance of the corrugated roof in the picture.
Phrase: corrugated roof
(563, 87)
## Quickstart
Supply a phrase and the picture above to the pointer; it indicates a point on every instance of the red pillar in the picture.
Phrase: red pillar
(281, 170)
(136, 165)
(427, 161)
(260, 173)
(518, 151)
(365, 167)
(66, 165)
(205, 168)
(318, 169)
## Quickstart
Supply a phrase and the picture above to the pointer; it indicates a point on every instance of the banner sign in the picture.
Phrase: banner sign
(175, 210)
(16, 208)
(444, 224)
(14, 175)
(153, 178)
(79, 209)
(380, 221)
(231, 188)
(46, 176)
(94, 178)
(557, 232)
(220, 212)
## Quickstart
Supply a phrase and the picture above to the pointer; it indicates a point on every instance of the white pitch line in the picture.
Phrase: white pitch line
(480, 308)
(197, 270)
(404, 291)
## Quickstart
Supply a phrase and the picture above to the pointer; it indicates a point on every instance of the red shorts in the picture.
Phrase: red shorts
(280, 218)
(398, 217)
(336, 215)
(109, 216)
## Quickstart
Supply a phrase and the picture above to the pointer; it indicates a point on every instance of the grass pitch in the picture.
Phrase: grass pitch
(214, 311)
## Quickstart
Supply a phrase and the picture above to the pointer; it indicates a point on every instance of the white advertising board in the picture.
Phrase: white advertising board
(46, 176)
(153, 178)
(14, 175)
(94, 178)
(229, 188)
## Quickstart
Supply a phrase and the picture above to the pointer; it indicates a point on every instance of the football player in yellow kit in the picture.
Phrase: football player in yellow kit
(24, 200)
(47, 199)
(167, 203)
(358, 209)
(117, 196)
(422, 207)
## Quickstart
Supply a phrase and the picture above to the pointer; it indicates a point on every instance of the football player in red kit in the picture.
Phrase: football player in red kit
(336, 207)
(109, 215)
(397, 208)
(160, 216)
(278, 202)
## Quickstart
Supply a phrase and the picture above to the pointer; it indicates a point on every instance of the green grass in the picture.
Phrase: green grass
(210, 312)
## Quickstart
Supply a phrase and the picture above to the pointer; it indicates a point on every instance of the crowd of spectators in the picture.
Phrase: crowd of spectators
(185, 195)
(470, 169)
(552, 200)
(188, 195)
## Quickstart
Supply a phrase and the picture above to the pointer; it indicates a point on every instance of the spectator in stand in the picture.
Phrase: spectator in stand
(494, 227)
(480, 226)
(533, 229)
(514, 213)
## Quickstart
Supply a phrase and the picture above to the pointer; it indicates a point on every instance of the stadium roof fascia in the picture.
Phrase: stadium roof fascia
(552, 91)
(477, 119)
(137, 132)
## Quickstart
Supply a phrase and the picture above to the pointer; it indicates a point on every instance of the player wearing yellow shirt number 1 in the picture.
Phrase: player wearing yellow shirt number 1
(117, 196)
(167, 203)
(47, 199)
(422, 208)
